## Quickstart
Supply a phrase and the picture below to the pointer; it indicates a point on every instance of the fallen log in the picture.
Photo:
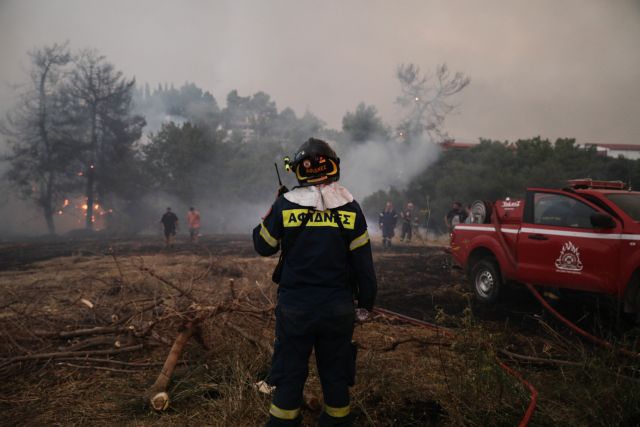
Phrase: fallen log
(157, 395)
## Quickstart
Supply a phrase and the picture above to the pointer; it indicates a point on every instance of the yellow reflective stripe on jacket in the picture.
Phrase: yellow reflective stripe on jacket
(337, 412)
(264, 233)
(361, 240)
(284, 414)
(295, 218)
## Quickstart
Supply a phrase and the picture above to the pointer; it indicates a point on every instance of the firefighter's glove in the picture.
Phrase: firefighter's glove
(362, 314)
(283, 189)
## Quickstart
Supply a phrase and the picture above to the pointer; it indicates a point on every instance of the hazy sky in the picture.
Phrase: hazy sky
(547, 67)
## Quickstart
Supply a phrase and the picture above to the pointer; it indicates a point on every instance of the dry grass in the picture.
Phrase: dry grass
(407, 375)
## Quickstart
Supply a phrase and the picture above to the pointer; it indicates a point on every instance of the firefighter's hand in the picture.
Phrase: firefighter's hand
(362, 315)
(283, 189)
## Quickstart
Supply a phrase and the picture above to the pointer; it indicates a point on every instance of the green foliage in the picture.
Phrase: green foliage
(176, 157)
(493, 170)
(189, 103)
(364, 124)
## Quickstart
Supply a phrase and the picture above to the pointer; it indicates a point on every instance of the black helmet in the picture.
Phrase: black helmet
(315, 163)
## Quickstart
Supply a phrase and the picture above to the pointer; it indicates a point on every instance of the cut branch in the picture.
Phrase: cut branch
(157, 395)
(59, 354)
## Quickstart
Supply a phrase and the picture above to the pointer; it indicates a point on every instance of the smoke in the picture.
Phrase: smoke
(378, 165)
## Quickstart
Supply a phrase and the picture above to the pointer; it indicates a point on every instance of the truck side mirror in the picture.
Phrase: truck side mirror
(601, 220)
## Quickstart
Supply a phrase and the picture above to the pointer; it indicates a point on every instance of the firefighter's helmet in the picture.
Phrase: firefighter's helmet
(315, 163)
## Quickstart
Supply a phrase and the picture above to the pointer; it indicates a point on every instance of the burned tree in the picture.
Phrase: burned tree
(102, 107)
(39, 158)
(425, 97)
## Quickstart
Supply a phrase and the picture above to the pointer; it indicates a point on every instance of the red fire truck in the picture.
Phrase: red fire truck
(584, 237)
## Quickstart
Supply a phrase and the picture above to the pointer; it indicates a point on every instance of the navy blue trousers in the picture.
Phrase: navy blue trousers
(327, 330)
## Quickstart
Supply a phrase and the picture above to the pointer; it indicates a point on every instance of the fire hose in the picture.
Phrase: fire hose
(532, 390)
(548, 307)
(577, 329)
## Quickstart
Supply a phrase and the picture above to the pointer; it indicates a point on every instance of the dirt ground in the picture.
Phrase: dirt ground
(141, 296)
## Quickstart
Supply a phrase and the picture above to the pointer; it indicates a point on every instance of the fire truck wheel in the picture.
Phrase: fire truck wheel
(486, 281)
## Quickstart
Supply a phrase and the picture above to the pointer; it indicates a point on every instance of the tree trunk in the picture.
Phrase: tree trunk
(49, 210)
(90, 177)
(48, 216)
(92, 165)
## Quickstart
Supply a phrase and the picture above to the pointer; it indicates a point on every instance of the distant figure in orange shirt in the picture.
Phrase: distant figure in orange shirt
(193, 220)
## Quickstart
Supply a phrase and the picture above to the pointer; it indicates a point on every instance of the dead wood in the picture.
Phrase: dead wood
(395, 344)
(181, 292)
(156, 336)
(538, 360)
(144, 309)
(98, 330)
(93, 342)
(96, 368)
(157, 395)
(259, 341)
(58, 354)
(111, 361)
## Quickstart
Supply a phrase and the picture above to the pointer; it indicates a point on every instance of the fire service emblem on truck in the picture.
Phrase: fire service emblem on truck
(569, 259)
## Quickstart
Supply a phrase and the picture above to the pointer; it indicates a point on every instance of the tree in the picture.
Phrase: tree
(425, 98)
(263, 112)
(246, 117)
(364, 124)
(39, 159)
(107, 128)
(176, 158)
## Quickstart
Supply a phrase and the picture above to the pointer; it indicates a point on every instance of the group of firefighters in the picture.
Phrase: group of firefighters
(388, 219)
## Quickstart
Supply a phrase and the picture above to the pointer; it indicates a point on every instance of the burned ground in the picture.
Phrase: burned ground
(407, 375)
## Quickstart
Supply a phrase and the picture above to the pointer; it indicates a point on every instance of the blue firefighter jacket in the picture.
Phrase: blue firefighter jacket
(315, 269)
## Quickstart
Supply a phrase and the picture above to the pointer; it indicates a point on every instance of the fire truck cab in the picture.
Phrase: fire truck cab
(584, 237)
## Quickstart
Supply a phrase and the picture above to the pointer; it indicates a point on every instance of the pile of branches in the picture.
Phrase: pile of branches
(117, 341)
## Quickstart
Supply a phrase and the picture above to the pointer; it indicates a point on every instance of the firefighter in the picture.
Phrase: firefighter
(326, 262)
(170, 223)
(387, 220)
(408, 219)
(455, 216)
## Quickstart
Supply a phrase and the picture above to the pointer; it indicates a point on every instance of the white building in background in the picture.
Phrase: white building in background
(628, 151)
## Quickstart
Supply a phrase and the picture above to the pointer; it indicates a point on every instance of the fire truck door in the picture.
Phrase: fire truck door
(558, 246)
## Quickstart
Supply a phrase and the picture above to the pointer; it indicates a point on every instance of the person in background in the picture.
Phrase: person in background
(325, 264)
(408, 217)
(170, 223)
(455, 216)
(193, 220)
(387, 221)
(468, 213)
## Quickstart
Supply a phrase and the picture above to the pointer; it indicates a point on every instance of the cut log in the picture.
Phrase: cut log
(157, 395)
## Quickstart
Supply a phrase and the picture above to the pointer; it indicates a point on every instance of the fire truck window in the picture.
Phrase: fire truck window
(561, 211)
(630, 203)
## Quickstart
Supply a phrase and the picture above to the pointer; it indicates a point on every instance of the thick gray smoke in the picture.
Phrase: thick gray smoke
(378, 165)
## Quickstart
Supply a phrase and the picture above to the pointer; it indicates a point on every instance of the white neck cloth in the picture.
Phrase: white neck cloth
(320, 197)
